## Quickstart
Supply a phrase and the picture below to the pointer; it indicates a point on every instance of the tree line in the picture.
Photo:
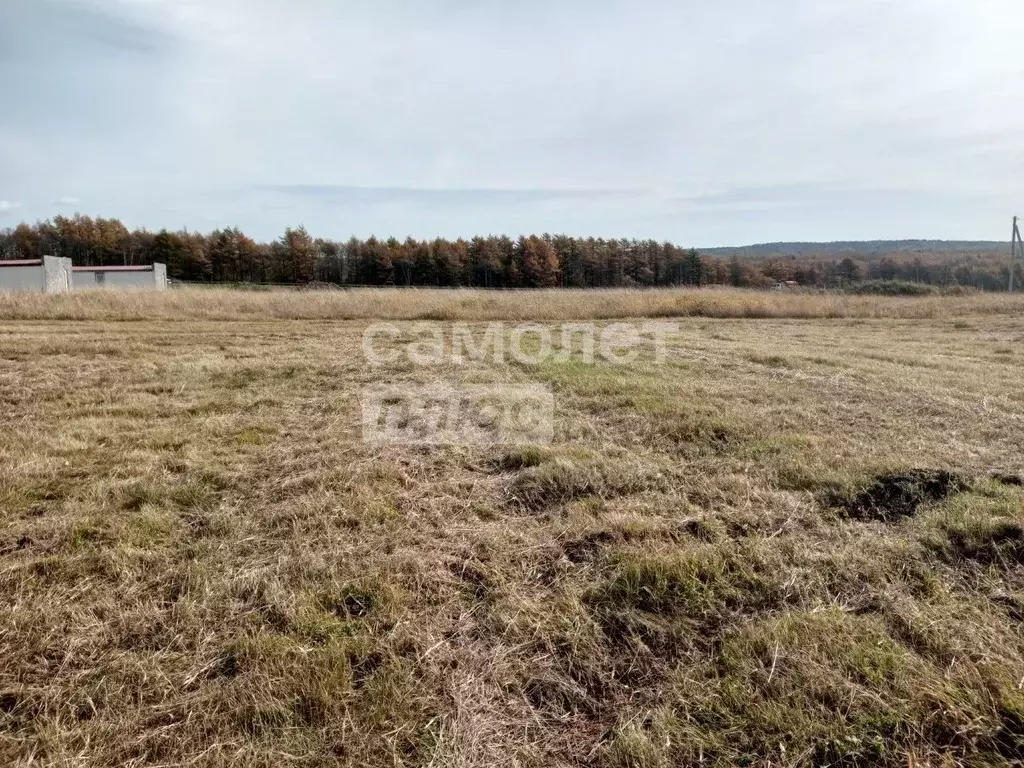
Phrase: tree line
(535, 261)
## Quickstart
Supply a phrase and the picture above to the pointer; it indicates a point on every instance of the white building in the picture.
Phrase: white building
(151, 278)
(50, 274)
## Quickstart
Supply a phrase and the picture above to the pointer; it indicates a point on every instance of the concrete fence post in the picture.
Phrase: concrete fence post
(160, 276)
(56, 274)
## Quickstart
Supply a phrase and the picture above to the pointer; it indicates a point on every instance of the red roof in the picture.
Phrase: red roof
(21, 262)
(114, 269)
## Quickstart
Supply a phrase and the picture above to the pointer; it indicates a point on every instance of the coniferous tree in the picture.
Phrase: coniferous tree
(536, 262)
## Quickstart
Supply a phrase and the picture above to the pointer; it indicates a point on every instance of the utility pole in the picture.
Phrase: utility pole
(1014, 239)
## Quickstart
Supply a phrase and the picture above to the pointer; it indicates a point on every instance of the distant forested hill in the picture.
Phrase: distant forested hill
(977, 263)
(864, 248)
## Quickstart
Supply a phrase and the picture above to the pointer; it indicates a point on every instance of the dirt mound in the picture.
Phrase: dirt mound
(1008, 479)
(896, 496)
(999, 542)
(586, 548)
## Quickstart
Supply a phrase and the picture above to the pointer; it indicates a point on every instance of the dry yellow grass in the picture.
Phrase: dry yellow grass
(468, 304)
(202, 563)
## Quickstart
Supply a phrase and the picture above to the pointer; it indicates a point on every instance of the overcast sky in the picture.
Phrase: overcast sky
(705, 123)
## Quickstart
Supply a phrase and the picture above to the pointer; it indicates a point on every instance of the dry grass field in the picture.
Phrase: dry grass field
(797, 541)
(469, 304)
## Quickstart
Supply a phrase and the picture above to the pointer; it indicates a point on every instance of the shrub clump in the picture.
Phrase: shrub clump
(892, 288)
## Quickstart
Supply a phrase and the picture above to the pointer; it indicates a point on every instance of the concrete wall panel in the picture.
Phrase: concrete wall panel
(141, 279)
(21, 279)
(137, 280)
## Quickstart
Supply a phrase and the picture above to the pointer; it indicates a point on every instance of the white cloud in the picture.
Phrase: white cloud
(6, 206)
(68, 201)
